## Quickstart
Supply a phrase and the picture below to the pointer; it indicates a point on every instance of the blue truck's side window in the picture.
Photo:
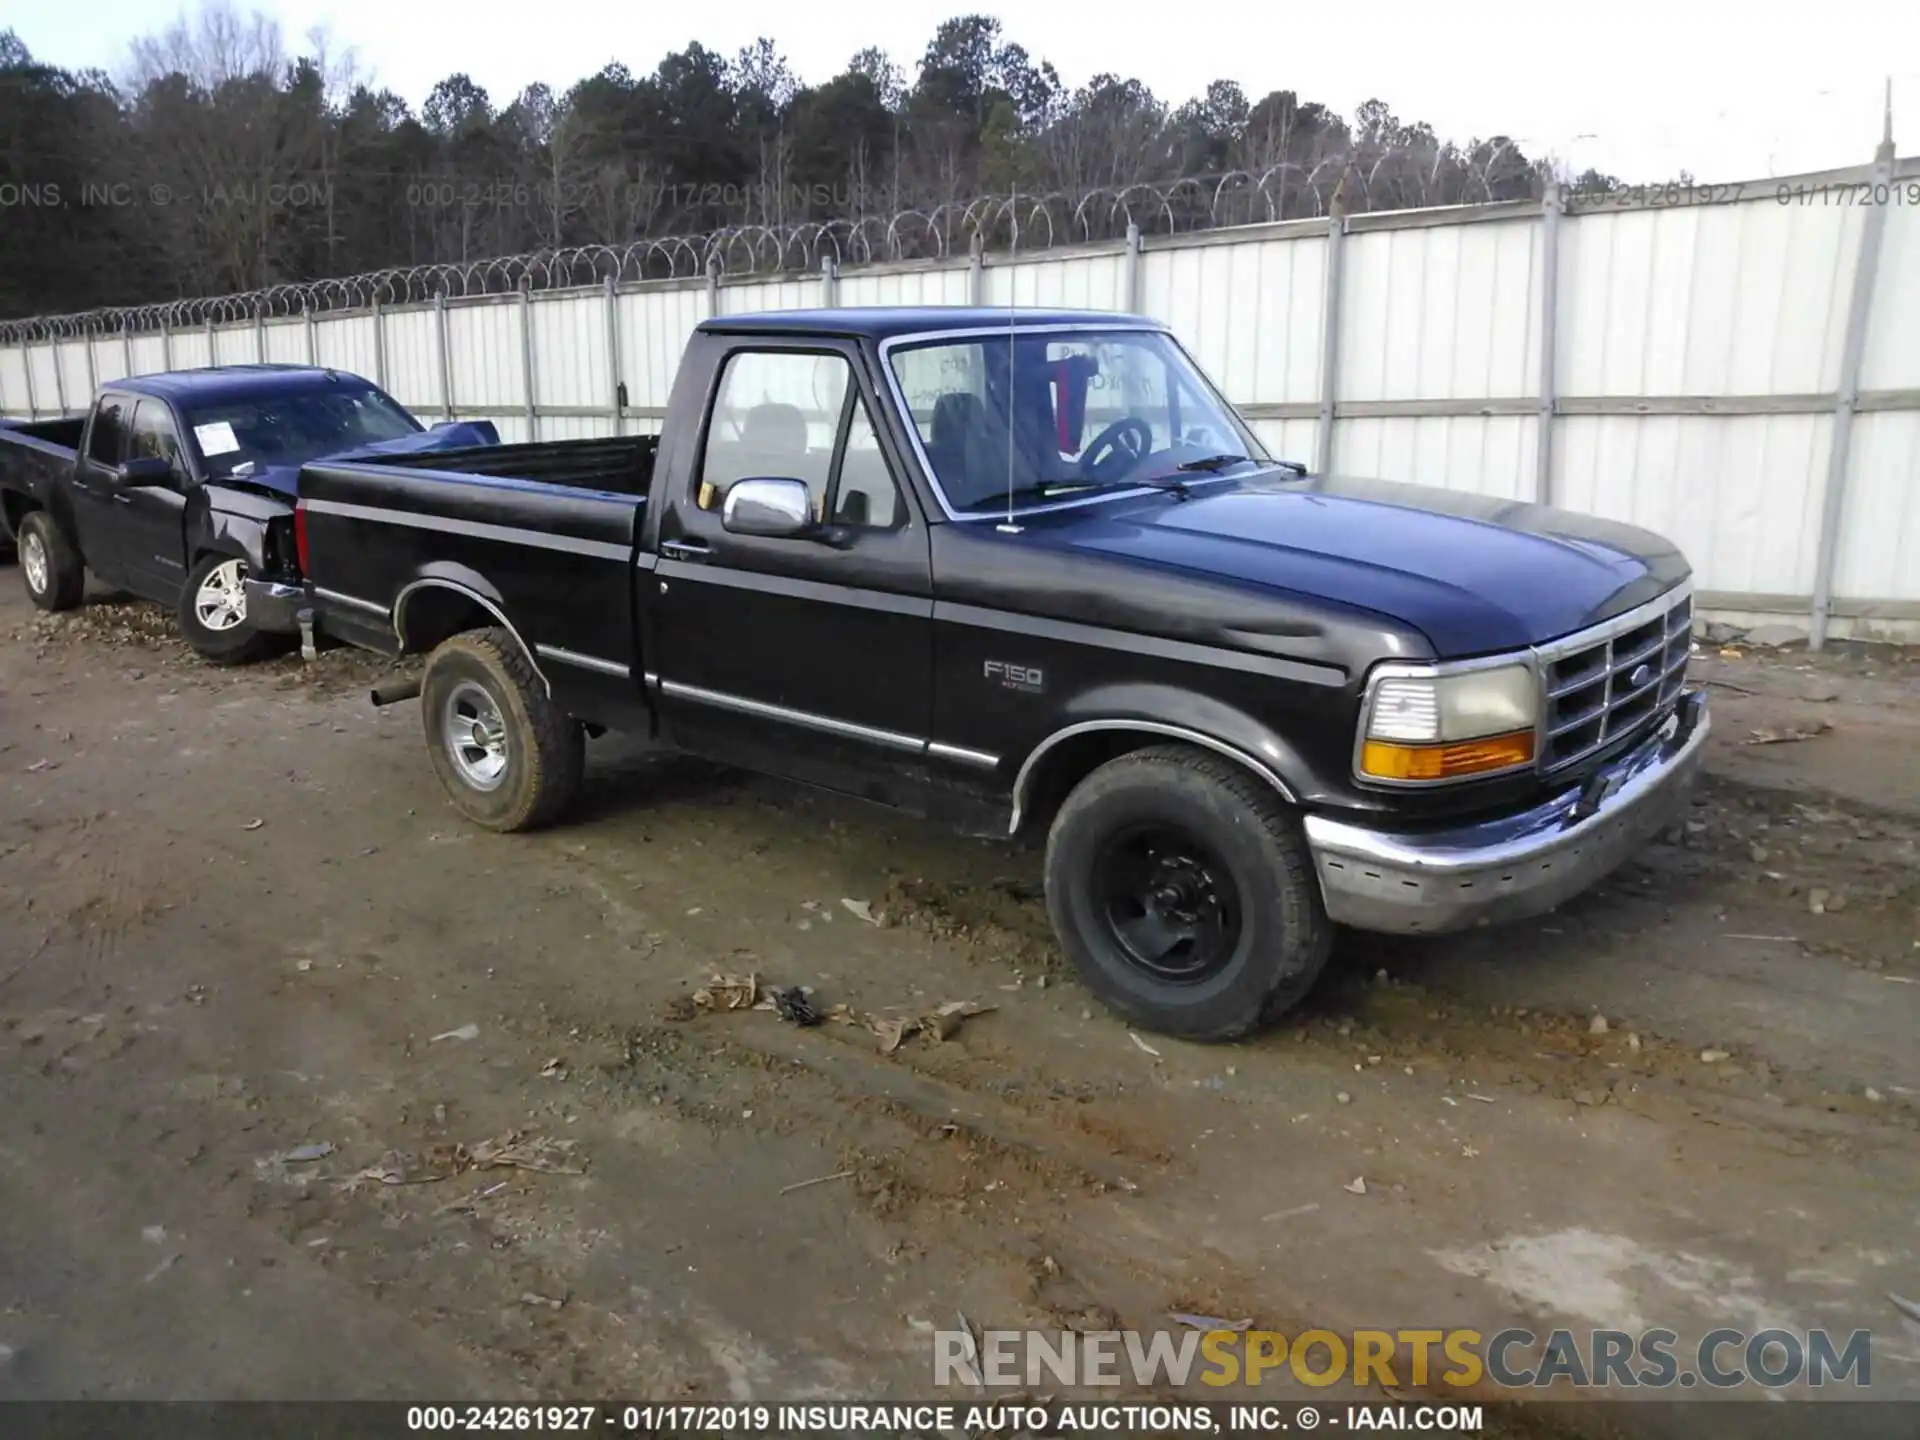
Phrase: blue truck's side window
(107, 441)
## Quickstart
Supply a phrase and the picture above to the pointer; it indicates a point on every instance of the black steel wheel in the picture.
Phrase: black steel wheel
(1180, 886)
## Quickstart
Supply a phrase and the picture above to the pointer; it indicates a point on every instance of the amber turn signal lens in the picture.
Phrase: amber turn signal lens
(1383, 760)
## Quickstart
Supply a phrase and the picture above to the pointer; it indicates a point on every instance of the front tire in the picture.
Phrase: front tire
(213, 614)
(52, 569)
(1181, 887)
(508, 757)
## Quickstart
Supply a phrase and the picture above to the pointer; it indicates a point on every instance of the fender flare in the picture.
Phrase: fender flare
(461, 580)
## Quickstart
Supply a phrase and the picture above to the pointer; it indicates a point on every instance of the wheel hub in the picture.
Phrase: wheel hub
(1170, 905)
(476, 736)
(221, 601)
(33, 560)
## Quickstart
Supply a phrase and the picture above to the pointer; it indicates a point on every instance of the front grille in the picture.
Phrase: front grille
(1596, 690)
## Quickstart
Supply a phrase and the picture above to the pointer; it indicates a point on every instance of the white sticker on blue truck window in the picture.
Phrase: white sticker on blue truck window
(216, 439)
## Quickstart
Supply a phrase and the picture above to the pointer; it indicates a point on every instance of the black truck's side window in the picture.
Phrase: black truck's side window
(789, 414)
(777, 414)
(153, 437)
(106, 441)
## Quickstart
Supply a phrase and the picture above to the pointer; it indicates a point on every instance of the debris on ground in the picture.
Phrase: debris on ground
(1143, 1045)
(253, 824)
(728, 992)
(469, 1031)
(515, 1150)
(554, 1069)
(1356, 1186)
(528, 1297)
(1906, 1307)
(1209, 1322)
(792, 1005)
(817, 1180)
(1787, 733)
(303, 1154)
(937, 1025)
(1714, 1057)
(862, 909)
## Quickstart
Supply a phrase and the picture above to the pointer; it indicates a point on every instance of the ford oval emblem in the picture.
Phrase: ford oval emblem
(1642, 673)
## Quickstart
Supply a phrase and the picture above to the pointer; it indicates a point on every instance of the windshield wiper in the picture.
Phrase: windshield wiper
(1043, 490)
(1210, 462)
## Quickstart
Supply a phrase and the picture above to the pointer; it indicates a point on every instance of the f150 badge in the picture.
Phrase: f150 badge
(1027, 678)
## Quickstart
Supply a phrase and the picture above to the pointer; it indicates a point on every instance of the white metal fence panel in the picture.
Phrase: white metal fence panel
(1892, 357)
(192, 350)
(946, 284)
(149, 354)
(235, 345)
(346, 342)
(287, 342)
(1739, 495)
(413, 358)
(1075, 282)
(570, 352)
(76, 381)
(1252, 313)
(13, 382)
(654, 325)
(1743, 299)
(43, 376)
(483, 343)
(757, 295)
(110, 359)
(1880, 542)
(1488, 455)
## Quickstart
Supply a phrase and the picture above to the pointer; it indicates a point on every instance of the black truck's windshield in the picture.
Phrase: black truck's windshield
(1090, 409)
(238, 438)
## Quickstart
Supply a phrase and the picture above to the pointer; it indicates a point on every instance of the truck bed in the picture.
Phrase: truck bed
(62, 434)
(617, 465)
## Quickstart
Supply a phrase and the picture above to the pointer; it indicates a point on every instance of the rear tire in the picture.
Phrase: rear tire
(1181, 887)
(217, 626)
(508, 757)
(54, 574)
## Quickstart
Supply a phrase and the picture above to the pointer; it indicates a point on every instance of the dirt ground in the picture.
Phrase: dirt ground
(312, 1090)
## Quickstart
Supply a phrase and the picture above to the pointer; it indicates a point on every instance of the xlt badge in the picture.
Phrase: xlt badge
(1027, 678)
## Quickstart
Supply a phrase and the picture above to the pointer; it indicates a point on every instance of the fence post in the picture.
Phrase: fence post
(126, 346)
(59, 377)
(526, 357)
(976, 271)
(446, 354)
(313, 340)
(1551, 205)
(613, 356)
(713, 286)
(829, 282)
(166, 346)
(1132, 279)
(259, 335)
(93, 372)
(1330, 337)
(379, 346)
(1873, 226)
(213, 349)
(26, 359)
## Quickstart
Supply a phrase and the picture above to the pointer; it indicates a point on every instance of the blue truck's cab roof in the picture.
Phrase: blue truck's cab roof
(222, 383)
(884, 322)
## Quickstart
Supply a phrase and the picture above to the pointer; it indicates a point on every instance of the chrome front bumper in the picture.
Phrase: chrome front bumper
(1517, 865)
(274, 607)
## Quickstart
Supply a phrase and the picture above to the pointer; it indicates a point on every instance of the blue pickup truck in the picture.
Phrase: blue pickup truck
(179, 487)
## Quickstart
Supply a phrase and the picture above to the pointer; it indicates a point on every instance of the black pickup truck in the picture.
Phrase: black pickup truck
(179, 488)
(1030, 573)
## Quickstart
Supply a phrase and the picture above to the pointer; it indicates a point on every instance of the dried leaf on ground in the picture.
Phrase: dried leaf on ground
(1786, 734)
(1209, 1322)
(728, 992)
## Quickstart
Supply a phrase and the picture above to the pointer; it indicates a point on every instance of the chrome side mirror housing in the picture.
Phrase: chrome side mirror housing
(773, 507)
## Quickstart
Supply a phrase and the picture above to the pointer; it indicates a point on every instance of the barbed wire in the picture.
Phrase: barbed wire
(932, 232)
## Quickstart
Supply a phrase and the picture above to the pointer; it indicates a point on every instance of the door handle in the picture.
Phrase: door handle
(694, 550)
(119, 499)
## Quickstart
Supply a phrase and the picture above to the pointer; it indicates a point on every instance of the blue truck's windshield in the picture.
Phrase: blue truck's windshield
(239, 438)
(1090, 409)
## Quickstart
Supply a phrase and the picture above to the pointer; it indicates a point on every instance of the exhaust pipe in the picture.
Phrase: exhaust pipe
(393, 692)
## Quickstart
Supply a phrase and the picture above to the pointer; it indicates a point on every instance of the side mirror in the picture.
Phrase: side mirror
(778, 509)
(145, 470)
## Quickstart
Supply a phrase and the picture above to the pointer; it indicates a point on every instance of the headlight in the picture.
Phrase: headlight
(1439, 726)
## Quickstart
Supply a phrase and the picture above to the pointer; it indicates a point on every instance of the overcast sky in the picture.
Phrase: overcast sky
(1644, 90)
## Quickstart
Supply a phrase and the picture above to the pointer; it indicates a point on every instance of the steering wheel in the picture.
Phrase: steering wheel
(1116, 449)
